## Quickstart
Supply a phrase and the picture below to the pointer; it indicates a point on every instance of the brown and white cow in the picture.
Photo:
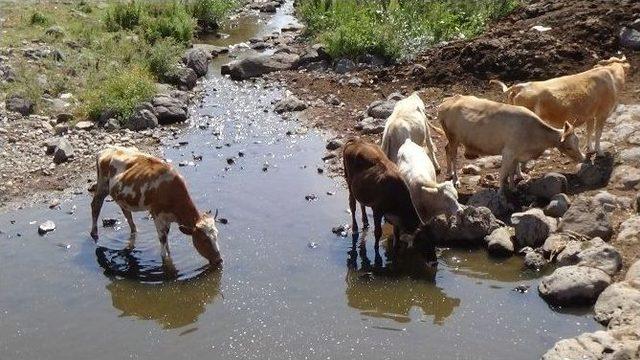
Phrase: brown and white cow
(588, 97)
(140, 182)
(375, 182)
(487, 127)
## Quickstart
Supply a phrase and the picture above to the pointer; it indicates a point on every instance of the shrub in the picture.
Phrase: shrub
(123, 16)
(37, 18)
(395, 28)
(162, 57)
(210, 13)
(119, 91)
(168, 20)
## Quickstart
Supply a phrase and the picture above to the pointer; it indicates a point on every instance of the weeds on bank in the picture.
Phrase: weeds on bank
(112, 55)
(396, 29)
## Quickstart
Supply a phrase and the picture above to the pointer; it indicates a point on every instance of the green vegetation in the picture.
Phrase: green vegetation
(112, 55)
(396, 28)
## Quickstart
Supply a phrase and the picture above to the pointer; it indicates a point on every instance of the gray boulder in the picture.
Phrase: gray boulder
(548, 186)
(182, 77)
(371, 126)
(113, 124)
(630, 38)
(629, 232)
(618, 344)
(494, 201)
(600, 255)
(343, 66)
(169, 110)
(569, 255)
(535, 260)
(381, 109)
(259, 65)
(532, 227)
(626, 177)
(555, 244)
(55, 31)
(289, 104)
(466, 227)
(499, 242)
(558, 206)
(620, 303)
(197, 60)
(63, 151)
(19, 104)
(142, 118)
(584, 217)
(573, 285)
(596, 172)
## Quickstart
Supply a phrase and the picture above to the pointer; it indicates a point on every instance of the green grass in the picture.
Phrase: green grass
(396, 29)
(113, 54)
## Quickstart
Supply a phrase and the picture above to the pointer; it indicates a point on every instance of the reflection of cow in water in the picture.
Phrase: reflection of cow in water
(171, 304)
(387, 292)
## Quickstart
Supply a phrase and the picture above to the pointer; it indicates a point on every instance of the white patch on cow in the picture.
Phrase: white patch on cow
(208, 226)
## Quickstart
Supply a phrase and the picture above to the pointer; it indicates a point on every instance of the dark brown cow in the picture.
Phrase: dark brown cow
(375, 182)
(140, 182)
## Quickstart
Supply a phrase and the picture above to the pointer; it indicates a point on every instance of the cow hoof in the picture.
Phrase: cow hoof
(94, 236)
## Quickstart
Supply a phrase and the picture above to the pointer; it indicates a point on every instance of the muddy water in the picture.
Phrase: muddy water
(289, 287)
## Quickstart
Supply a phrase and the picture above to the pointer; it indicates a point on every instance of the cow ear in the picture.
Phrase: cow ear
(185, 230)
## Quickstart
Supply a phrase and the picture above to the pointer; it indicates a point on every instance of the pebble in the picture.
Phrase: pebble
(46, 227)
(109, 222)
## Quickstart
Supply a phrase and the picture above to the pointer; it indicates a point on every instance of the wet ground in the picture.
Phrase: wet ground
(289, 288)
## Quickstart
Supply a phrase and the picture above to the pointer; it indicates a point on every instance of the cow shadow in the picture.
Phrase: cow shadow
(392, 289)
(142, 290)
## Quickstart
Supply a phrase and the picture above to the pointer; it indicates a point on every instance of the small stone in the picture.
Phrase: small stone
(109, 222)
(54, 203)
(46, 227)
(84, 125)
(535, 260)
(558, 206)
(471, 169)
(499, 242)
(335, 144)
(532, 227)
(311, 197)
(63, 152)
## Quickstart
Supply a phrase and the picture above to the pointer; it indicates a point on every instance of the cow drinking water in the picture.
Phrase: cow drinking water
(140, 182)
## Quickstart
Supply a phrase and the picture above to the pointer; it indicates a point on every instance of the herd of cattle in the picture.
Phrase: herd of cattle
(397, 180)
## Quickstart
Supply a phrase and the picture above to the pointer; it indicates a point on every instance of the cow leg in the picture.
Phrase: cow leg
(589, 147)
(452, 163)
(162, 227)
(365, 220)
(431, 150)
(396, 238)
(377, 227)
(132, 226)
(352, 207)
(599, 124)
(96, 207)
(508, 169)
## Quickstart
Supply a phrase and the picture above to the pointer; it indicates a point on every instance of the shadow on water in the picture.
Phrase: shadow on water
(393, 289)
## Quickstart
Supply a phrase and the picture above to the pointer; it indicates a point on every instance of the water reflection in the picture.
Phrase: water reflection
(392, 290)
(172, 304)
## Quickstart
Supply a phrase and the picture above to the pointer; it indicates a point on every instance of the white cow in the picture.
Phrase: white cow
(429, 198)
(408, 121)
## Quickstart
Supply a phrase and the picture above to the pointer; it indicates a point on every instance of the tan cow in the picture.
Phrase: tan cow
(487, 127)
(408, 121)
(588, 97)
(139, 182)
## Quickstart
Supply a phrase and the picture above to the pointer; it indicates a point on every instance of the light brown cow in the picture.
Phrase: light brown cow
(487, 127)
(588, 97)
(139, 182)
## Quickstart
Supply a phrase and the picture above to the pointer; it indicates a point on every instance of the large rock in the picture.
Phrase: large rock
(548, 186)
(381, 109)
(618, 344)
(142, 118)
(595, 172)
(19, 104)
(63, 151)
(469, 226)
(343, 66)
(600, 255)
(620, 303)
(633, 274)
(499, 242)
(182, 77)
(555, 244)
(573, 285)
(371, 126)
(313, 55)
(630, 38)
(169, 110)
(535, 260)
(629, 232)
(198, 60)
(626, 177)
(558, 206)
(259, 65)
(290, 103)
(532, 227)
(494, 201)
(585, 218)
(569, 255)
